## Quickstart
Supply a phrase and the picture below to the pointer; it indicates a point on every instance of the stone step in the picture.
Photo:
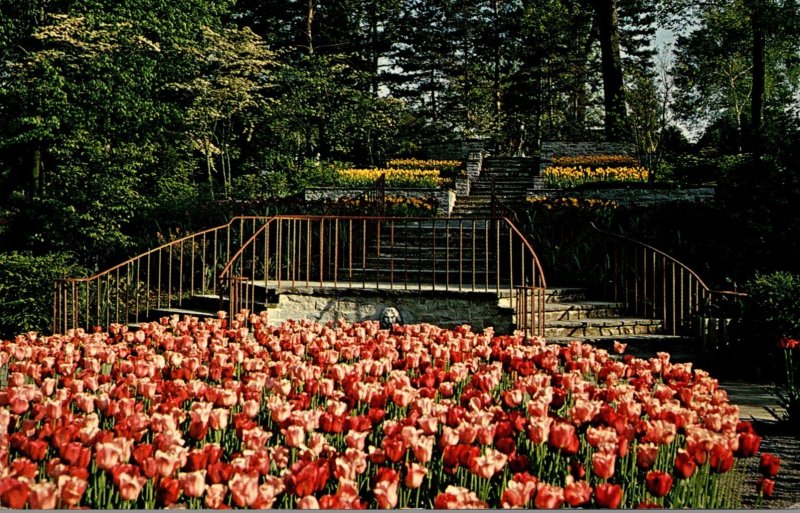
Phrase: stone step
(681, 349)
(565, 294)
(581, 310)
(602, 327)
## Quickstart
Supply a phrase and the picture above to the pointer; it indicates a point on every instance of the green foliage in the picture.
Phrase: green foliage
(775, 305)
(26, 290)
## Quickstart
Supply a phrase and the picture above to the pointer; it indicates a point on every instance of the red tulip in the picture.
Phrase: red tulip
(765, 486)
(608, 496)
(684, 464)
(415, 473)
(646, 455)
(658, 483)
(563, 437)
(749, 444)
(769, 465)
(169, 489)
(43, 496)
(549, 497)
(720, 458)
(14, 493)
(129, 486)
(70, 490)
(385, 489)
(244, 489)
(603, 464)
(577, 493)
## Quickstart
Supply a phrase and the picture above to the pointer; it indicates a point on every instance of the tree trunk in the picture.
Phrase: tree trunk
(614, 98)
(374, 53)
(758, 75)
(36, 172)
(497, 42)
(309, 26)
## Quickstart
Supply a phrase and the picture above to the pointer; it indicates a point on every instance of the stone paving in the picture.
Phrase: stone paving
(755, 402)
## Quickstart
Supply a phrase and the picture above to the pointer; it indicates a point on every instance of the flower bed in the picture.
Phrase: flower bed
(570, 202)
(213, 415)
(565, 172)
(448, 168)
(596, 161)
(418, 178)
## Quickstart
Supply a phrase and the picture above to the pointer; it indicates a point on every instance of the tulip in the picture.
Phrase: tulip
(765, 486)
(769, 465)
(603, 464)
(215, 496)
(70, 490)
(385, 489)
(658, 483)
(577, 493)
(415, 473)
(684, 464)
(608, 496)
(549, 497)
(130, 486)
(43, 496)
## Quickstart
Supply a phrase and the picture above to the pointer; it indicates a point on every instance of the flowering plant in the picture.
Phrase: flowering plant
(570, 202)
(596, 161)
(422, 178)
(446, 167)
(788, 392)
(216, 414)
(571, 176)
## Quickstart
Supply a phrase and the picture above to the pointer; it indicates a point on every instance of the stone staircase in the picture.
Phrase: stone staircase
(513, 177)
(570, 315)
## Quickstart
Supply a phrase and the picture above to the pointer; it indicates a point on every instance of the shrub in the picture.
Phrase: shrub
(26, 290)
(775, 305)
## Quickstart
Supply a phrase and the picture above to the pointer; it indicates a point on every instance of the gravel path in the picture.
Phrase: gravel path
(776, 440)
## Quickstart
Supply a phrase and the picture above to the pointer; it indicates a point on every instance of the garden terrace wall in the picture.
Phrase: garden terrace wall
(552, 149)
(626, 196)
(446, 309)
(445, 198)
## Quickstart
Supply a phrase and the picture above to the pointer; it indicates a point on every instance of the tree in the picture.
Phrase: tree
(613, 90)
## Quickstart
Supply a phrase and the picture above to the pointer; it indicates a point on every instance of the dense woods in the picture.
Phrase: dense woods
(126, 120)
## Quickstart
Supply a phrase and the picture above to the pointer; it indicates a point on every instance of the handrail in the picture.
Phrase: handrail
(152, 280)
(496, 204)
(653, 284)
(258, 253)
(389, 253)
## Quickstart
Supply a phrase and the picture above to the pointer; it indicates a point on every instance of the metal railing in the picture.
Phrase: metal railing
(384, 253)
(376, 195)
(652, 284)
(158, 279)
(498, 207)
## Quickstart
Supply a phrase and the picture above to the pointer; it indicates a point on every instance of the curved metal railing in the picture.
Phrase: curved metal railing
(387, 253)
(652, 284)
(157, 279)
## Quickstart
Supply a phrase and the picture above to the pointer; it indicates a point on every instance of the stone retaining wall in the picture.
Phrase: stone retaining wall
(445, 198)
(445, 309)
(552, 149)
(633, 196)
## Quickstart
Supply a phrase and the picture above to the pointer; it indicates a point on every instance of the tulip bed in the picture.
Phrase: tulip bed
(215, 414)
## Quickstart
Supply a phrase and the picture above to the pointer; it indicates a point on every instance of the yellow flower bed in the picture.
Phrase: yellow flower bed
(566, 176)
(424, 178)
(570, 202)
(596, 161)
(442, 165)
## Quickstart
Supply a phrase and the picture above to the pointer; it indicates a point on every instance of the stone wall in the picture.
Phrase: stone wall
(454, 150)
(447, 309)
(552, 149)
(445, 198)
(633, 196)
